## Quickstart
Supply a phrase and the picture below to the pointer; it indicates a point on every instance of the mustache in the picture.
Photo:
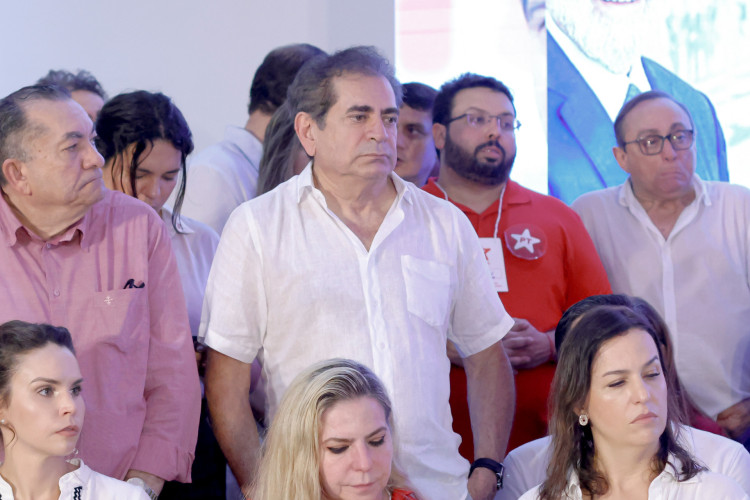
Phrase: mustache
(491, 144)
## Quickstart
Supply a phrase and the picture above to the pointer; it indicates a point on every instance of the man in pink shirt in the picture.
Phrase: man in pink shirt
(99, 263)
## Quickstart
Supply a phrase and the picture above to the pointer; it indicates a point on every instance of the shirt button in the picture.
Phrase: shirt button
(49, 245)
(56, 293)
(381, 345)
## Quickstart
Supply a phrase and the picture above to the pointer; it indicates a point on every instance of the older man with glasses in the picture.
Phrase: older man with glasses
(540, 257)
(683, 245)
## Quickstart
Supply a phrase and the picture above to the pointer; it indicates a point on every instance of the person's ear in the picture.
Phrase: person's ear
(306, 128)
(439, 132)
(15, 173)
(620, 156)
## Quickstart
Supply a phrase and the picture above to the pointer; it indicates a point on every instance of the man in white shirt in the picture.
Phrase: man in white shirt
(348, 260)
(682, 244)
(224, 175)
(594, 65)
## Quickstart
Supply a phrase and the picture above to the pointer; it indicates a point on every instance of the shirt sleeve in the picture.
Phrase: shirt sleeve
(235, 306)
(479, 318)
(172, 392)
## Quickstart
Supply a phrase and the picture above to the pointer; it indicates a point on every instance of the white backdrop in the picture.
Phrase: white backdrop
(201, 53)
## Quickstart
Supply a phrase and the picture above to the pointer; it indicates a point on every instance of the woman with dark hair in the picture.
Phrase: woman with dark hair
(145, 141)
(615, 418)
(525, 466)
(41, 415)
(283, 155)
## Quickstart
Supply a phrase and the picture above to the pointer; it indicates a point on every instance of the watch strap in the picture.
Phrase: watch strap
(494, 466)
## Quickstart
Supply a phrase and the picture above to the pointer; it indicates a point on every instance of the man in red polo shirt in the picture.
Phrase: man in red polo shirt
(541, 258)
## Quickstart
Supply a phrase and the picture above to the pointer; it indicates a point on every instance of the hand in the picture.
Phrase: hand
(154, 482)
(526, 346)
(736, 419)
(482, 484)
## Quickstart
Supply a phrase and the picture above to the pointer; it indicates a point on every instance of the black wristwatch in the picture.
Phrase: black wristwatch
(490, 464)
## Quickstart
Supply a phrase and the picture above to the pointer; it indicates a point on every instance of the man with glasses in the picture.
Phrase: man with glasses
(683, 245)
(540, 257)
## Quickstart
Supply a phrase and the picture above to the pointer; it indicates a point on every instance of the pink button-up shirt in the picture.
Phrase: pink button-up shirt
(133, 344)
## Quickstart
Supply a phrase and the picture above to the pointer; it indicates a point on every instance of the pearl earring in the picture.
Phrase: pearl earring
(583, 419)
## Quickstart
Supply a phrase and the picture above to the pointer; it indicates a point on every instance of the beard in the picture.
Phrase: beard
(468, 166)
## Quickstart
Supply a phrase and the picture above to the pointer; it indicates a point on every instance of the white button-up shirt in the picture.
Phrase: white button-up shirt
(526, 466)
(666, 486)
(292, 284)
(221, 177)
(697, 278)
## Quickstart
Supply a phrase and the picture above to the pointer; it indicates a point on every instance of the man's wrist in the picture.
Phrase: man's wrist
(137, 481)
(494, 466)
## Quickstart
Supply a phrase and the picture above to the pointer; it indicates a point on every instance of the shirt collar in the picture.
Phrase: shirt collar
(305, 184)
(10, 225)
(626, 196)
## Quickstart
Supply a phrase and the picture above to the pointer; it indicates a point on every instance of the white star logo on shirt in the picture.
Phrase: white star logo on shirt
(525, 240)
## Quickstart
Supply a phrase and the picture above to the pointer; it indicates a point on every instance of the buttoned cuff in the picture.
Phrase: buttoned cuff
(164, 459)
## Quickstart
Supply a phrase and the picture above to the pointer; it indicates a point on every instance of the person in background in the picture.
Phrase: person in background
(680, 243)
(538, 253)
(75, 253)
(283, 155)
(41, 416)
(331, 438)
(526, 466)
(615, 419)
(83, 87)
(225, 174)
(416, 156)
(145, 141)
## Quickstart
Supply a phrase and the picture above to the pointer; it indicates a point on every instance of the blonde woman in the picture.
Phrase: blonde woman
(331, 439)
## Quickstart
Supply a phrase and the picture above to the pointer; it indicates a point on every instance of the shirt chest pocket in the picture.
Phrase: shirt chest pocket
(428, 289)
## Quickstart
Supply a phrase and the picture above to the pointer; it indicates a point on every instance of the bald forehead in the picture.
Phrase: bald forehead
(656, 115)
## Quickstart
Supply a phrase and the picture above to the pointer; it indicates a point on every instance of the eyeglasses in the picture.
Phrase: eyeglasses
(653, 144)
(506, 123)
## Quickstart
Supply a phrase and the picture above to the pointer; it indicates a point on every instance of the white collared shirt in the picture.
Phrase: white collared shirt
(665, 486)
(697, 279)
(221, 177)
(84, 484)
(292, 284)
(526, 465)
(194, 248)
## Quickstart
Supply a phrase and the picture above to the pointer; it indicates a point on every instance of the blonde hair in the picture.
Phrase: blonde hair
(289, 466)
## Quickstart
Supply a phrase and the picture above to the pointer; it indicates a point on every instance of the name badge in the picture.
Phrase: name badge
(493, 252)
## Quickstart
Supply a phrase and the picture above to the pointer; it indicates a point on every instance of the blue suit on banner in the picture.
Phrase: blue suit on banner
(581, 135)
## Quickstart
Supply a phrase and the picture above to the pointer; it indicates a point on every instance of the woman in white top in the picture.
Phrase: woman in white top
(41, 415)
(145, 141)
(613, 419)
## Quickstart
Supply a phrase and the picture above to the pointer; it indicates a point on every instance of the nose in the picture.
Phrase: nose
(93, 159)
(67, 403)
(150, 189)
(362, 458)
(401, 141)
(641, 392)
(493, 127)
(667, 150)
(377, 129)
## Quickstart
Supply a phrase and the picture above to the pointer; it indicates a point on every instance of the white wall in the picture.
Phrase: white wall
(201, 53)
